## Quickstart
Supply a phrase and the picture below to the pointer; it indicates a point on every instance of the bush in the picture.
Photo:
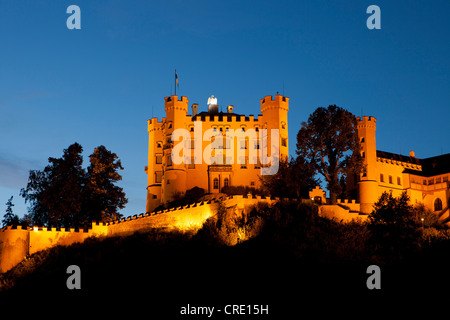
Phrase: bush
(393, 228)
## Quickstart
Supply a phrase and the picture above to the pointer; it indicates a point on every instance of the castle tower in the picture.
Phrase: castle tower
(368, 183)
(174, 175)
(274, 111)
(154, 166)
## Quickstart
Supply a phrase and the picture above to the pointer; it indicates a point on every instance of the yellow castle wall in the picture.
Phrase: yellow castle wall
(13, 247)
(16, 244)
(177, 178)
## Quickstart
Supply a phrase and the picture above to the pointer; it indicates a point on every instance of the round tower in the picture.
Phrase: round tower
(154, 165)
(174, 175)
(274, 112)
(368, 183)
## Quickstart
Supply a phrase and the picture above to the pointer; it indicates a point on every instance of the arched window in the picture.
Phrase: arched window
(216, 183)
(226, 182)
(437, 204)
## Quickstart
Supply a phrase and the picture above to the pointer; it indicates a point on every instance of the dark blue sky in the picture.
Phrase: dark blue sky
(99, 85)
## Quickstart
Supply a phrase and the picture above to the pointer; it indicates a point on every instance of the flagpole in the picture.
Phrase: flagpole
(175, 81)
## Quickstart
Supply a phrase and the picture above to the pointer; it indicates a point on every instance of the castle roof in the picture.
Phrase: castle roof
(430, 166)
(222, 116)
(397, 157)
(435, 165)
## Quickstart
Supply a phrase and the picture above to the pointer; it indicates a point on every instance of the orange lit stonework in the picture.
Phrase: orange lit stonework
(167, 179)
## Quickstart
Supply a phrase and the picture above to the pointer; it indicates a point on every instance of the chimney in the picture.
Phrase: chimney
(412, 154)
(194, 109)
(230, 109)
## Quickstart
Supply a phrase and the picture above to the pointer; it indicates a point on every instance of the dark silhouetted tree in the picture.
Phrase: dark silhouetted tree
(392, 226)
(103, 197)
(10, 219)
(34, 194)
(330, 145)
(294, 179)
(63, 196)
(66, 195)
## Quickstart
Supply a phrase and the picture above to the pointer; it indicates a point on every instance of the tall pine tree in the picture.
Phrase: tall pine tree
(104, 198)
(10, 219)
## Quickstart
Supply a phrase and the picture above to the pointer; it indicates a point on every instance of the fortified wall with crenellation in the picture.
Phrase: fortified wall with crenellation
(17, 243)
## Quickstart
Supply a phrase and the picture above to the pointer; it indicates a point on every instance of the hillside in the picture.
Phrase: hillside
(299, 260)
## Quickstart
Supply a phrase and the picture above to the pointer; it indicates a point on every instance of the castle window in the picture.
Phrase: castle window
(363, 155)
(170, 125)
(252, 183)
(243, 143)
(438, 180)
(399, 182)
(256, 128)
(159, 144)
(226, 182)
(437, 204)
(257, 163)
(381, 177)
(362, 140)
(283, 142)
(228, 142)
(191, 128)
(390, 179)
(283, 125)
(445, 179)
(169, 160)
(430, 182)
(243, 161)
(424, 182)
(158, 159)
(216, 183)
(158, 177)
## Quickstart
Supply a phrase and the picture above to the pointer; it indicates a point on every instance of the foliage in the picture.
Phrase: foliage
(242, 190)
(102, 195)
(393, 228)
(64, 194)
(329, 145)
(430, 219)
(294, 179)
(9, 218)
(181, 199)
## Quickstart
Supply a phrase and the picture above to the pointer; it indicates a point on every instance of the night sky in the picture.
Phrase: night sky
(99, 85)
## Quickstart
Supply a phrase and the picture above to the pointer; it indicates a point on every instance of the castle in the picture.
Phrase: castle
(231, 162)
(424, 180)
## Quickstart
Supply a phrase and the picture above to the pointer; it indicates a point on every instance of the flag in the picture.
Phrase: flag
(176, 78)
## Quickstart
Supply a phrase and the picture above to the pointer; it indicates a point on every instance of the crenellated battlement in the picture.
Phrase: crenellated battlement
(346, 201)
(225, 118)
(176, 98)
(18, 242)
(277, 102)
(156, 122)
(367, 122)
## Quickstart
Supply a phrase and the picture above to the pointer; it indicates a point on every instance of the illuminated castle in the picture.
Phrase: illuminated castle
(233, 165)
(424, 180)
